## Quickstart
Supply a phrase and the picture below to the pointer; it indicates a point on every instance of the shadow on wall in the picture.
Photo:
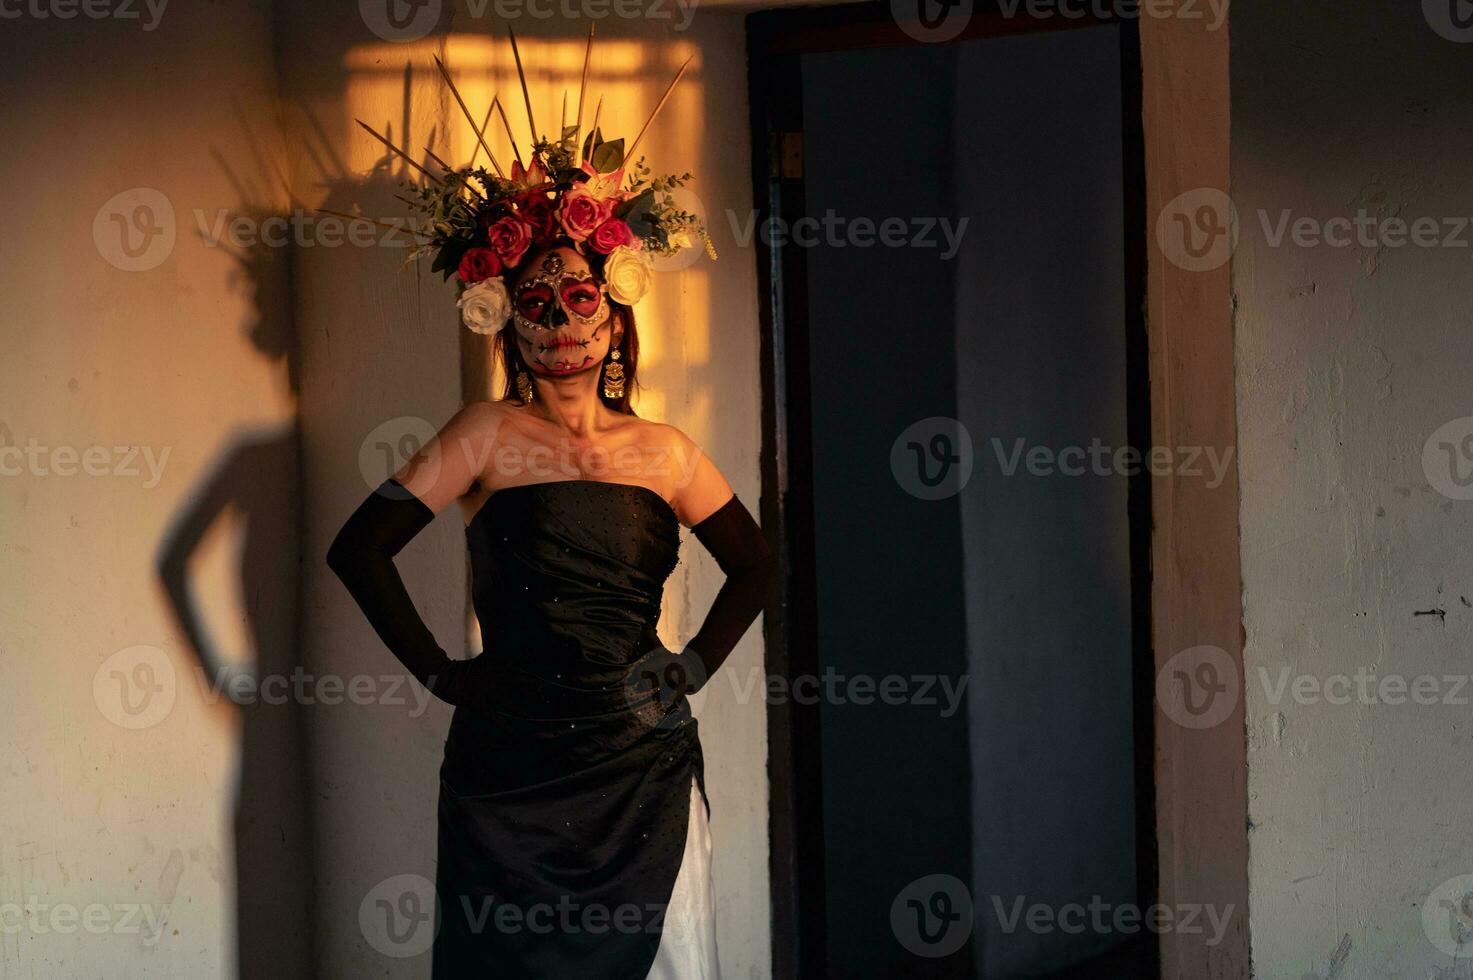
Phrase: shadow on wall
(271, 693)
(257, 481)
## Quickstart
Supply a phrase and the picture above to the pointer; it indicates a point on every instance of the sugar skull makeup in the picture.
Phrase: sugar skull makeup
(559, 313)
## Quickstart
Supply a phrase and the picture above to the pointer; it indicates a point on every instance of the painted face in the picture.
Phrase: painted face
(561, 314)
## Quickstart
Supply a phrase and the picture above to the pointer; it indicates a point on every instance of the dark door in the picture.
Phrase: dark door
(955, 359)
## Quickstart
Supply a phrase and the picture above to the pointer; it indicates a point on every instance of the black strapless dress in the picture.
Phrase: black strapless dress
(564, 805)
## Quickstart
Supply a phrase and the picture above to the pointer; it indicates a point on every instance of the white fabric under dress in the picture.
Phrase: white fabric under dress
(688, 945)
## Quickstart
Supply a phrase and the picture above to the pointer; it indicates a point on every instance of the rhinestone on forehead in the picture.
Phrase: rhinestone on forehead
(551, 271)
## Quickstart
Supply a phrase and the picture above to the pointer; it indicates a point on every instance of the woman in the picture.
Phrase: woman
(572, 817)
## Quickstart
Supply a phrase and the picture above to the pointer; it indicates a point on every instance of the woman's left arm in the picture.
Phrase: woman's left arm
(706, 504)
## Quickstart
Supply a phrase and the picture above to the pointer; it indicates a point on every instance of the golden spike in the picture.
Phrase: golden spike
(402, 155)
(449, 169)
(445, 73)
(582, 87)
(629, 153)
(523, 76)
(362, 217)
(594, 128)
(480, 132)
(507, 126)
(442, 164)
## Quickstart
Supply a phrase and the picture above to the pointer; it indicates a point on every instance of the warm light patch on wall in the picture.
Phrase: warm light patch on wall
(629, 76)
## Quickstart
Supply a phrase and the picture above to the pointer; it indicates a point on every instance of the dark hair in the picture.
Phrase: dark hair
(510, 358)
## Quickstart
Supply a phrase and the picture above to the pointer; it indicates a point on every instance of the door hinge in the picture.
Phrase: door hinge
(789, 157)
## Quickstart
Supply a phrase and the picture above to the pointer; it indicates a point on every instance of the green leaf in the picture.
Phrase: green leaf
(637, 208)
(608, 156)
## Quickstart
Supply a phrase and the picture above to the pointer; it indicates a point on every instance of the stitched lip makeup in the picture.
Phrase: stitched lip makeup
(564, 366)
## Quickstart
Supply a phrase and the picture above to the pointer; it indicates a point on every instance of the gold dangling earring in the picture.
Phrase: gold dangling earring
(524, 387)
(613, 377)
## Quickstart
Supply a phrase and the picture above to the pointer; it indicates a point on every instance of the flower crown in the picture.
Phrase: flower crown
(480, 225)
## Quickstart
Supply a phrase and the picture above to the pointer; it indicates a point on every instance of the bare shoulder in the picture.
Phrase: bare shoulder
(698, 487)
(661, 440)
(481, 420)
(449, 465)
(488, 412)
(661, 434)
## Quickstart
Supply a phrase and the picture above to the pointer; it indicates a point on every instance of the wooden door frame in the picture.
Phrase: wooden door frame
(1192, 797)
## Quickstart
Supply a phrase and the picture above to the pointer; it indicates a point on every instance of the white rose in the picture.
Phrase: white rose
(681, 239)
(628, 273)
(485, 306)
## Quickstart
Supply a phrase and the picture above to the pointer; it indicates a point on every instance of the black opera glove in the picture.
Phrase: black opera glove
(736, 542)
(362, 556)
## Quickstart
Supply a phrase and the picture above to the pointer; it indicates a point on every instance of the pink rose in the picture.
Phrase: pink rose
(581, 213)
(477, 264)
(610, 235)
(509, 237)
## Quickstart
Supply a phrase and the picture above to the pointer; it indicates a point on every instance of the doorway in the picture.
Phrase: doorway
(950, 240)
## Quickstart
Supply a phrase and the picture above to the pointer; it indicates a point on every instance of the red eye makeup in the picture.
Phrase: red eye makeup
(582, 299)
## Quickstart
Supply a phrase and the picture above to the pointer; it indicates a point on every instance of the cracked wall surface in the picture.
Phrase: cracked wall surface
(1351, 137)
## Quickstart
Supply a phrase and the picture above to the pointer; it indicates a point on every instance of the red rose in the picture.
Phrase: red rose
(509, 237)
(610, 235)
(581, 213)
(537, 211)
(487, 218)
(477, 264)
